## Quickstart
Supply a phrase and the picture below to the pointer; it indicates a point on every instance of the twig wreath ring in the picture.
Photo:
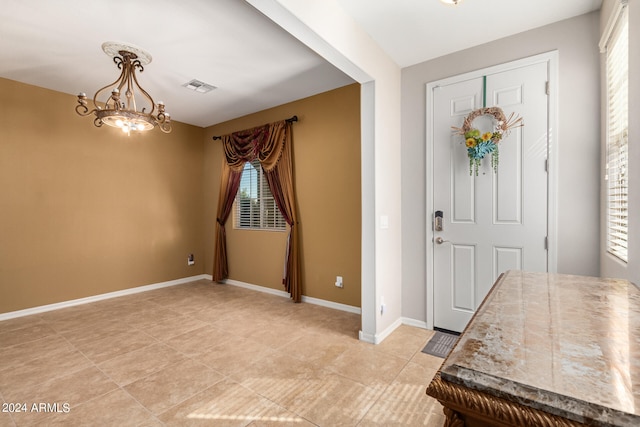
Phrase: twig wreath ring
(479, 144)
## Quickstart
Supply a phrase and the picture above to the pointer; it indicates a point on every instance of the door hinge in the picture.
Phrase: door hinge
(546, 87)
(546, 165)
(546, 243)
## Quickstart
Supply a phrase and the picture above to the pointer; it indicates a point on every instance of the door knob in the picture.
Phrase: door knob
(439, 240)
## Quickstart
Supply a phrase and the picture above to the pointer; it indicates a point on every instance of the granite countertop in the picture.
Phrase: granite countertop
(567, 345)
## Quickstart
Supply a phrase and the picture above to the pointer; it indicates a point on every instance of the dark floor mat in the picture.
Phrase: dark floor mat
(440, 344)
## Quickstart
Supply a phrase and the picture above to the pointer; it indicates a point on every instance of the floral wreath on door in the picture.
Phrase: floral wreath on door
(479, 144)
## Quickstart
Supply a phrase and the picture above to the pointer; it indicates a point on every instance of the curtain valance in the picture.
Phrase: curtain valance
(263, 142)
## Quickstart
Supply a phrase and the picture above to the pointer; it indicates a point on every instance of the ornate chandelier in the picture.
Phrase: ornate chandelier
(119, 108)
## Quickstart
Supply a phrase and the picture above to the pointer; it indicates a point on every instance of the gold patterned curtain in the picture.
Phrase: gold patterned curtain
(271, 145)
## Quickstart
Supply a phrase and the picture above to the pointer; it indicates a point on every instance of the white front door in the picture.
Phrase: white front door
(492, 222)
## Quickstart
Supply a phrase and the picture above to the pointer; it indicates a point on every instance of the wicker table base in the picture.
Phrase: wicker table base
(464, 407)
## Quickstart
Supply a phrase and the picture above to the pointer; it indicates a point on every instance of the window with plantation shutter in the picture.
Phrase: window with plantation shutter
(616, 178)
(255, 207)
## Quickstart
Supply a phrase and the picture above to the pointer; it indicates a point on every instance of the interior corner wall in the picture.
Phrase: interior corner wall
(325, 27)
(85, 210)
(578, 217)
(326, 159)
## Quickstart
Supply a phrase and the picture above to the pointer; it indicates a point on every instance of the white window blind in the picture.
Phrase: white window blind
(617, 78)
(255, 207)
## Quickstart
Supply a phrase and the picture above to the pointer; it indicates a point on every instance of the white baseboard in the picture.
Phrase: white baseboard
(384, 334)
(317, 301)
(310, 300)
(415, 323)
(331, 304)
(94, 298)
(371, 339)
(378, 338)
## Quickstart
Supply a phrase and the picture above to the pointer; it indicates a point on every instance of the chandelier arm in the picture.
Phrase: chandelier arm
(137, 64)
(162, 118)
(116, 104)
(83, 111)
(165, 126)
(82, 108)
(145, 93)
(122, 65)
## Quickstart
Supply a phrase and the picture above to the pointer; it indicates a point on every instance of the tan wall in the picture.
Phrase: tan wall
(326, 145)
(85, 211)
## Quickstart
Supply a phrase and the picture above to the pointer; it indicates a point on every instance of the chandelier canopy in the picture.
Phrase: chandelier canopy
(115, 104)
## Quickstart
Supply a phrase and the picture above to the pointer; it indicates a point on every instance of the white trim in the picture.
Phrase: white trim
(551, 58)
(283, 15)
(611, 23)
(310, 300)
(100, 297)
(256, 288)
(365, 337)
(378, 338)
(331, 304)
(429, 199)
(369, 285)
(415, 323)
(136, 290)
(552, 168)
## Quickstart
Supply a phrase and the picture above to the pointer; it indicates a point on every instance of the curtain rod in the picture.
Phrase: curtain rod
(289, 120)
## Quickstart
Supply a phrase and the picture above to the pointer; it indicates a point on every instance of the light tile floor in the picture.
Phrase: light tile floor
(209, 354)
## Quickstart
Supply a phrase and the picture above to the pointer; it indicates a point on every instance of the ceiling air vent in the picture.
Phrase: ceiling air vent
(198, 86)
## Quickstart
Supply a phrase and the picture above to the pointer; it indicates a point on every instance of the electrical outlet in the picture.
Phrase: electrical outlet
(190, 259)
(339, 283)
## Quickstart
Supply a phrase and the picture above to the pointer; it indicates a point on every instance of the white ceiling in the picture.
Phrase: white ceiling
(414, 31)
(229, 44)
